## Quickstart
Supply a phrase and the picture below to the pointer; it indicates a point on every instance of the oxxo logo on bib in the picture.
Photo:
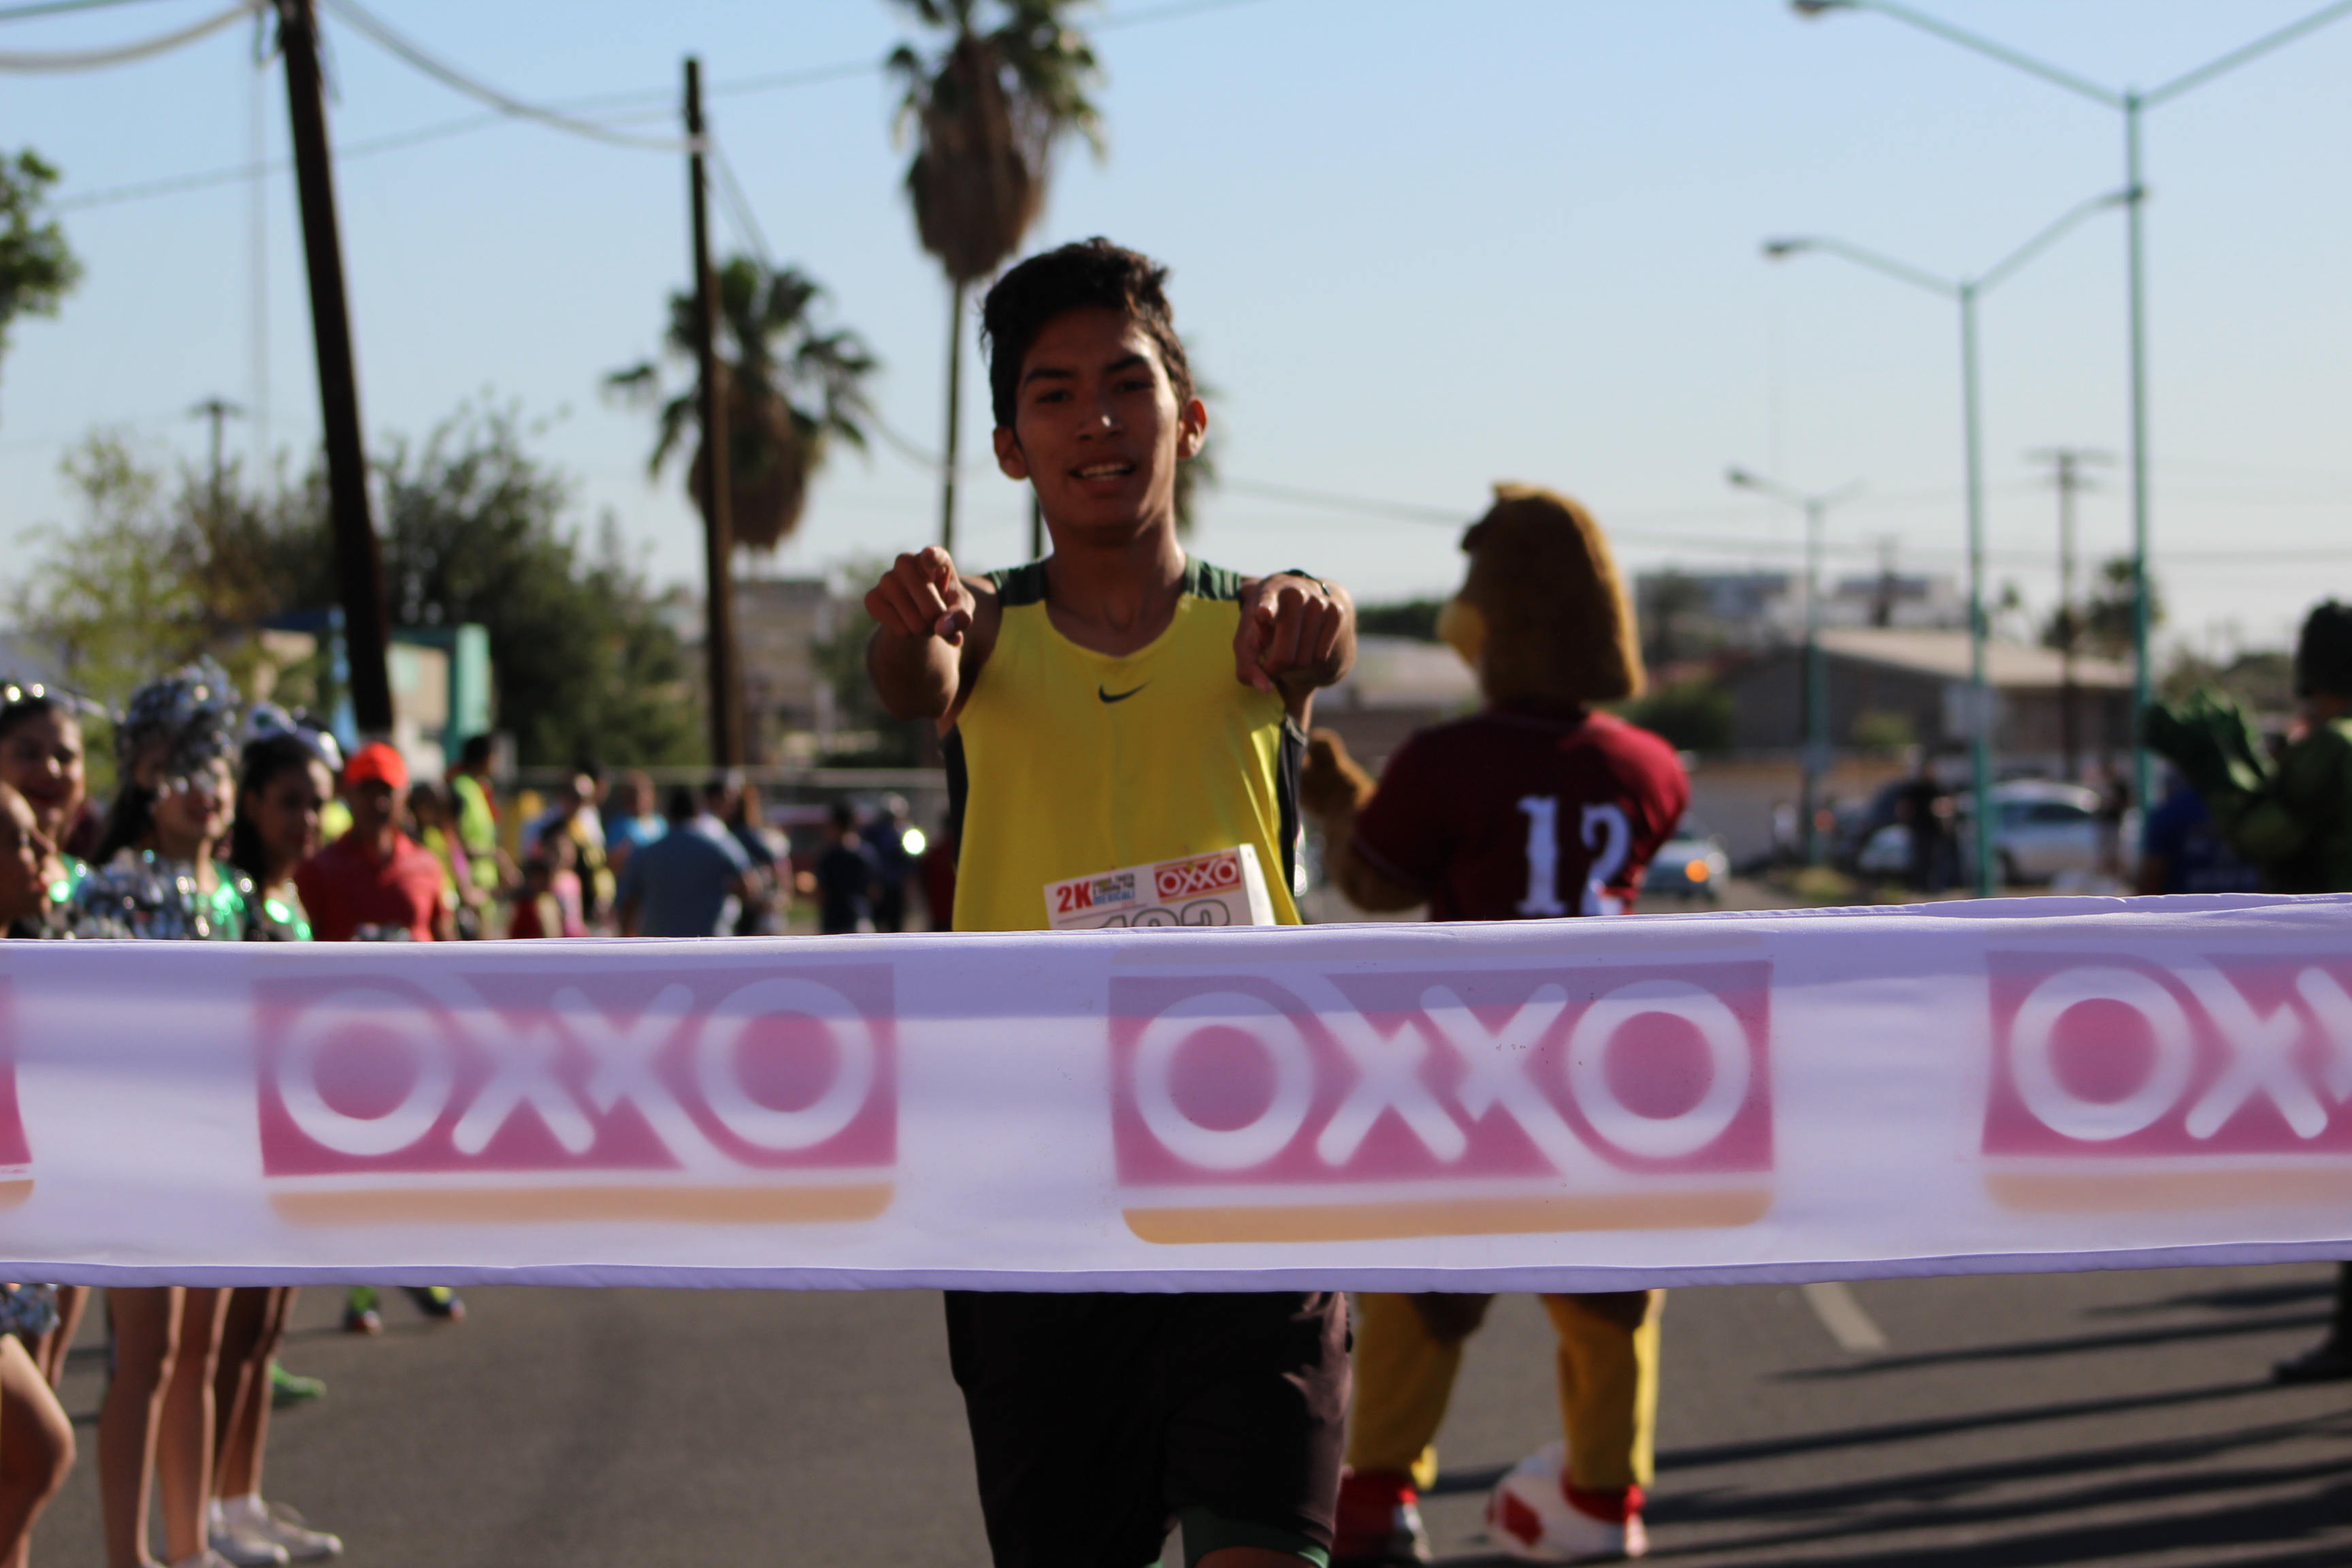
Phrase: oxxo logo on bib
(714, 1094)
(2130, 1082)
(1326, 1108)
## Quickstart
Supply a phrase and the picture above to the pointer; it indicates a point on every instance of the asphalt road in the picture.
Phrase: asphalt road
(2116, 1419)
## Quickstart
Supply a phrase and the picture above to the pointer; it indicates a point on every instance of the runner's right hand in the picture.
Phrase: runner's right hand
(921, 596)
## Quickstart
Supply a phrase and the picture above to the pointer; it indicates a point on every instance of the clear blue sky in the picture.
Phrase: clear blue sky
(1418, 246)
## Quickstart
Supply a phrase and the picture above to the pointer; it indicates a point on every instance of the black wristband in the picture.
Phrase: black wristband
(1309, 577)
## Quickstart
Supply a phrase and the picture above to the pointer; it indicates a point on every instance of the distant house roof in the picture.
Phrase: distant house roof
(1944, 655)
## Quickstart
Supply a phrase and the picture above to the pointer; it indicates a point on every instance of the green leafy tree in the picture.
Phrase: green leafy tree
(2102, 624)
(1415, 618)
(108, 592)
(583, 662)
(158, 570)
(793, 390)
(1009, 84)
(37, 269)
(1695, 715)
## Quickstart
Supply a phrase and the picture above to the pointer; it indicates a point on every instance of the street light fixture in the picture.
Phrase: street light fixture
(2131, 101)
(1816, 704)
(1966, 291)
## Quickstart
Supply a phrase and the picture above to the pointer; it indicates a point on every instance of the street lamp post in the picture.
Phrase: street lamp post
(1816, 701)
(1966, 291)
(2130, 101)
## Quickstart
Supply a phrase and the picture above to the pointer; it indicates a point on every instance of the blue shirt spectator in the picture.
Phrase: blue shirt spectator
(2181, 851)
(688, 882)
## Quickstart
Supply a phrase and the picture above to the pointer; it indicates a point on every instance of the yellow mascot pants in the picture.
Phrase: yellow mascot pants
(1409, 1348)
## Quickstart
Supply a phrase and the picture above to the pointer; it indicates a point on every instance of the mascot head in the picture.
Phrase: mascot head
(1543, 616)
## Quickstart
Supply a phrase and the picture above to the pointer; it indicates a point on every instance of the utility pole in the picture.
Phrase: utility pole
(717, 500)
(2066, 473)
(216, 409)
(359, 557)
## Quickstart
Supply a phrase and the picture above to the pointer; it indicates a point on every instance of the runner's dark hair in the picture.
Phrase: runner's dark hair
(264, 761)
(1071, 278)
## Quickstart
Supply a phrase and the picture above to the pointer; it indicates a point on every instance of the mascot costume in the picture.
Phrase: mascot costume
(2290, 816)
(1537, 806)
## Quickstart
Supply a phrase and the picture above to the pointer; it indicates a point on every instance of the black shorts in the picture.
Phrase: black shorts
(1095, 1419)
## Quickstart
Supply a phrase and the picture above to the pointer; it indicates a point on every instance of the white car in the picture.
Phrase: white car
(2047, 830)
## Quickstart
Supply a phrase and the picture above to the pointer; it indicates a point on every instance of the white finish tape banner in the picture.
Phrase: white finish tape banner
(2029, 1084)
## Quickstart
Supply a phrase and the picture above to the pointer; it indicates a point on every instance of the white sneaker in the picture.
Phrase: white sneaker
(279, 1526)
(243, 1551)
(1529, 1515)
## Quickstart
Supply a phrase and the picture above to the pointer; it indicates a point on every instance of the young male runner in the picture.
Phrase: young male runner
(1120, 703)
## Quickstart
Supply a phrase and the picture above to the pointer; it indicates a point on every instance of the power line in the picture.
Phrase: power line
(450, 75)
(628, 106)
(51, 61)
(738, 205)
(55, 7)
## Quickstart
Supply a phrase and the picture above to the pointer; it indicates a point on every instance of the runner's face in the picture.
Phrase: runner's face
(1097, 429)
(27, 863)
(284, 813)
(41, 760)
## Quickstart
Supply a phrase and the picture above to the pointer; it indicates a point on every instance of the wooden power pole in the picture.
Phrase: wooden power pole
(2067, 475)
(359, 558)
(718, 500)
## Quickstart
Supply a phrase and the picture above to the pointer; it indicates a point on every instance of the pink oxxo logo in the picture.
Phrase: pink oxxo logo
(16, 1150)
(1219, 873)
(718, 1094)
(2129, 1082)
(1392, 1104)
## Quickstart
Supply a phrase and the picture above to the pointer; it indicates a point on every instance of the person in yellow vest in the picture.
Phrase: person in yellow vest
(1122, 703)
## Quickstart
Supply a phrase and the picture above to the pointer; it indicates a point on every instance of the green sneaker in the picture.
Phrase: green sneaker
(292, 1388)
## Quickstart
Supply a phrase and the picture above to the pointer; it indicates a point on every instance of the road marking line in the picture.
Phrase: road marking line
(1842, 1315)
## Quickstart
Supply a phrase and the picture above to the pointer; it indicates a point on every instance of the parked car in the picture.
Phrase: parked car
(1692, 864)
(2044, 830)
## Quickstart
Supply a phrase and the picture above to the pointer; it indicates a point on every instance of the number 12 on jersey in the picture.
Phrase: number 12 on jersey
(1605, 834)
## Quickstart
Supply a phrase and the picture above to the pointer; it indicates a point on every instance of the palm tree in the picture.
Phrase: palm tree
(792, 391)
(988, 111)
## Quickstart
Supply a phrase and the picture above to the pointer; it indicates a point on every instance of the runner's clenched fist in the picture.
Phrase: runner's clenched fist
(1296, 634)
(921, 596)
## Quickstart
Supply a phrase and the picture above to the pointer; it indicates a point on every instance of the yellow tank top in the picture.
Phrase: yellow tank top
(1079, 762)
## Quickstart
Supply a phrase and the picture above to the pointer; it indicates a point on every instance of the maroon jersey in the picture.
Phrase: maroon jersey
(1510, 816)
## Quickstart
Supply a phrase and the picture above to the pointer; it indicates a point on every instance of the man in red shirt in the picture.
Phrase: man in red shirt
(375, 881)
(1536, 807)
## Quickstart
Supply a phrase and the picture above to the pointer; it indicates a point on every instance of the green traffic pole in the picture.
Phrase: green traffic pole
(1980, 699)
(2143, 763)
(1817, 720)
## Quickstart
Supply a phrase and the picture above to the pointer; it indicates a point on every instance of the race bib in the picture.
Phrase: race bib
(1226, 887)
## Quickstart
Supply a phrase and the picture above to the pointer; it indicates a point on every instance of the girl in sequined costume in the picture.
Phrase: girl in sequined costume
(156, 878)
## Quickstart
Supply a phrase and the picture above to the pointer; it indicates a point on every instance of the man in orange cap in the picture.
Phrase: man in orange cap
(375, 881)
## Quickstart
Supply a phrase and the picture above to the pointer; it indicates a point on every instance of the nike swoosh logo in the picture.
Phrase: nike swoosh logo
(1117, 696)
